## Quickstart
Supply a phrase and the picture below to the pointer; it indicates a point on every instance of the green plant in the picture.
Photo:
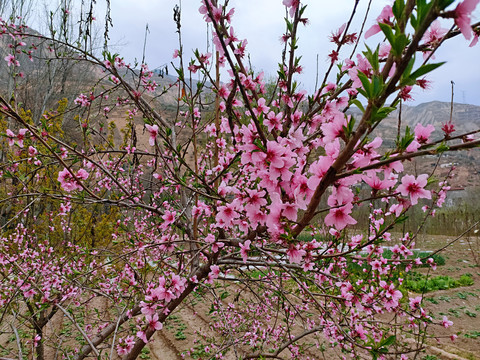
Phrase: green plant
(470, 313)
(421, 283)
(465, 295)
(472, 334)
(466, 280)
(454, 312)
(179, 335)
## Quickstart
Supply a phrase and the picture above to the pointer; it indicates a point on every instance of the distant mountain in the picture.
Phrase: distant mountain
(465, 117)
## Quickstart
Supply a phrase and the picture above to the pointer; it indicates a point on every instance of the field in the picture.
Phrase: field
(460, 304)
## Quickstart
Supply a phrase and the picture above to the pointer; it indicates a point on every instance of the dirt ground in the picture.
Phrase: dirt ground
(461, 305)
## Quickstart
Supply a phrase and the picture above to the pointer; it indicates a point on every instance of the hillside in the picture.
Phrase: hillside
(465, 118)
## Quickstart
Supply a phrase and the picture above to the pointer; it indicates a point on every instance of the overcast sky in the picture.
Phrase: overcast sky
(261, 22)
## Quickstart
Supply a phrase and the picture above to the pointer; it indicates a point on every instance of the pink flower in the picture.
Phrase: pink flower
(213, 274)
(82, 100)
(36, 340)
(414, 187)
(176, 53)
(340, 218)
(10, 59)
(21, 136)
(392, 293)
(448, 128)
(261, 107)
(169, 217)
(32, 151)
(422, 133)
(404, 93)
(153, 130)
(82, 174)
(226, 215)
(143, 336)
(383, 18)
(415, 302)
(114, 79)
(293, 5)
(68, 182)
(336, 36)
(11, 137)
(244, 250)
(210, 238)
(462, 17)
(376, 184)
(475, 40)
(446, 323)
(153, 322)
(435, 33)
(295, 254)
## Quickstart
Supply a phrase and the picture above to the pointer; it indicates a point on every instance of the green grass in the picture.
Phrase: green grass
(420, 283)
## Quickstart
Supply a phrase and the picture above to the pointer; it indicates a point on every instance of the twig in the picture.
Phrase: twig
(115, 332)
(85, 336)
(456, 239)
(285, 345)
(17, 337)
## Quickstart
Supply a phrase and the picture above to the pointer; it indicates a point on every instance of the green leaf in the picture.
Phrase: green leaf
(403, 143)
(425, 69)
(401, 219)
(397, 9)
(358, 104)
(380, 114)
(289, 25)
(389, 341)
(409, 67)
(372, 58)
(363, 92)
(387, 30)
(413, 21)
(377, 86)
(348, 130)
(179, 73)
(366, 84)
(442, 148)
(401, 42)
(423, 9)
